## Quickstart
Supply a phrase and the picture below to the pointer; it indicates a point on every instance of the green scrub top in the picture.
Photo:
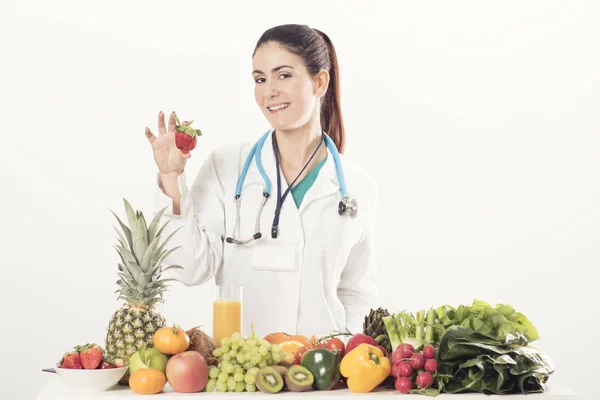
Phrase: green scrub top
(300, 189)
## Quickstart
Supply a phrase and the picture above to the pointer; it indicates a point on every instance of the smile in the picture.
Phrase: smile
(279, 107)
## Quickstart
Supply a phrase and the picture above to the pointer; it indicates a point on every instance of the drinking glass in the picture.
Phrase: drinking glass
(227, 312)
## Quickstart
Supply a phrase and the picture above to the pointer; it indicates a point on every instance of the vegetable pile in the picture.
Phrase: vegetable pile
(480, 348)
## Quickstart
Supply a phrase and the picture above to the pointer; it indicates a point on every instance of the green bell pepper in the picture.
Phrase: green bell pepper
(324, 364)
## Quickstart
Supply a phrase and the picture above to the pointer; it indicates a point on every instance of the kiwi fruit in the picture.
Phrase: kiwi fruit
(269, 380)
(284, 363)
(299, 379)
(281, 369)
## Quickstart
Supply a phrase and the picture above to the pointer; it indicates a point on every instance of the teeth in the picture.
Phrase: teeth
(278, 107)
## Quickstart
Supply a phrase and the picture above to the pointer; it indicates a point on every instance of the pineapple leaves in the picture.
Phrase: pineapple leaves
(162, 228)
(171, 267)
(139, 248)
(131, 217)
(140, 240)
(126, 230)
(128, 259)
(121, 237)
(154, 224)
(168, 238)
(163, 256)
(150, 255)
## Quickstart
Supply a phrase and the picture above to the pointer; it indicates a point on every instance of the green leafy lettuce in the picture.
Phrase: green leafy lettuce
(472, 361)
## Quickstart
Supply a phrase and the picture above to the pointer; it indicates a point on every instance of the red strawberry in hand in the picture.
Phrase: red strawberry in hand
(185, 136)
(91, 356)
(71, 360)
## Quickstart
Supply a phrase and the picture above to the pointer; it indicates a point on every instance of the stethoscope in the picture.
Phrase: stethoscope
(346, 206)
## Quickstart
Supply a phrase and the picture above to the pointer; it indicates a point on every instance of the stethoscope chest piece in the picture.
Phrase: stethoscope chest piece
(348, 206)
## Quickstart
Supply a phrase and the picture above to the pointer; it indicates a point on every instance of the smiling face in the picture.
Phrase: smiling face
(284, 90)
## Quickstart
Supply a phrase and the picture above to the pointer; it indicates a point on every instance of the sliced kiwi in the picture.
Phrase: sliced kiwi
(269, 380)
(281, 369)
(299, 379)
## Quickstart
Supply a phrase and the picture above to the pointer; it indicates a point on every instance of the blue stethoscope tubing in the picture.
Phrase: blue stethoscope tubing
(346, 206)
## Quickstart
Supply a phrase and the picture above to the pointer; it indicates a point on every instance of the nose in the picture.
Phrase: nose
(271, 90)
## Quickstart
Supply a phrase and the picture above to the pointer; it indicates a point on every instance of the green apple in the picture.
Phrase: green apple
(148, 358)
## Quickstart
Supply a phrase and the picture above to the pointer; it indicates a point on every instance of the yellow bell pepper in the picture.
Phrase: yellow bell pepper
(365, 367)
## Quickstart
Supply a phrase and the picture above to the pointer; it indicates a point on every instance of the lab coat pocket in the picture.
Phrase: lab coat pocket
(275, 255)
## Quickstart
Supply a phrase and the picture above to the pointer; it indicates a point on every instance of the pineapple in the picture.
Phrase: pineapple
(373, 326)
(134, 325)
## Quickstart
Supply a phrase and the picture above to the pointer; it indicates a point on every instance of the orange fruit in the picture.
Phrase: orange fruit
(301, 339)
(147, 381)
(277, 337)
(290, 347)
(280, 337)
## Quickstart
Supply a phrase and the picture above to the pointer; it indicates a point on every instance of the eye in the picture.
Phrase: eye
(257, 80)
(284, 74)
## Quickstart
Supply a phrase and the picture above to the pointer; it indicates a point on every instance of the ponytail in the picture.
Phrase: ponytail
(331, 112)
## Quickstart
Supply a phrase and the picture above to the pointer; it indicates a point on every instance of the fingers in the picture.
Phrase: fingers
(161, 124)
(150, 135)
(172, 122)
(185, 156)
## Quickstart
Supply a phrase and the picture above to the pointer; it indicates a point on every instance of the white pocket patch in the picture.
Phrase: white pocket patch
(275, 255)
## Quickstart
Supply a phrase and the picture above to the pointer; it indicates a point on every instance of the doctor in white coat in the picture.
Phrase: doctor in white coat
(319, 273)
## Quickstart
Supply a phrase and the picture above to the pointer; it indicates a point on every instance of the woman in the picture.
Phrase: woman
(318, 274)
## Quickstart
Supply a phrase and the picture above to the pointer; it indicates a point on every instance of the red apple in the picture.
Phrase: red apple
(187, 372)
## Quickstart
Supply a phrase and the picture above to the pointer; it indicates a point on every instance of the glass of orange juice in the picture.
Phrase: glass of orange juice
(227, 312)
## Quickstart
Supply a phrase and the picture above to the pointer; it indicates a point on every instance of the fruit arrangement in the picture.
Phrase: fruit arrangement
(240, 362)
(88, 356)
(440, 350)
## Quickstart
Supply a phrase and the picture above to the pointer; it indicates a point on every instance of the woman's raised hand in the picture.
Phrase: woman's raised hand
(168, 158)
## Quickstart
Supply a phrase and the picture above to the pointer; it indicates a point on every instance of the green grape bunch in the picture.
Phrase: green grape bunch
(240, 360)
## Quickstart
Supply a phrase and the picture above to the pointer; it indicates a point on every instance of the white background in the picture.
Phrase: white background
(479, 120)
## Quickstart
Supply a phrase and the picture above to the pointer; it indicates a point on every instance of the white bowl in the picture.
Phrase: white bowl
(91, 380)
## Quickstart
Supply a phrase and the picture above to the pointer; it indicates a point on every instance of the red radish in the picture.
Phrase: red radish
(91, 356)
(417, 361)
(404, 369)
(357, 339)
(383, 350)
(424, 380)
(431, 365)
(106, 365)
(403, 385)
(397, 356)
(395, 370)
(429, 351)
(406, 349)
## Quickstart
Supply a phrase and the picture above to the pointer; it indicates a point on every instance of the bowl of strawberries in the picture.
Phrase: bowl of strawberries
(85, 369)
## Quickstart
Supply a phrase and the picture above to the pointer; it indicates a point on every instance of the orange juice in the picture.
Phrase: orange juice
(227, 319)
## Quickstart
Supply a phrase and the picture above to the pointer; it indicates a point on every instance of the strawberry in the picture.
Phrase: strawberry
(71, 360)
(185, 136)
(106, 365)
(91, 356)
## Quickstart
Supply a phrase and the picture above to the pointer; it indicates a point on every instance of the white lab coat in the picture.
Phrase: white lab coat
(317, 276)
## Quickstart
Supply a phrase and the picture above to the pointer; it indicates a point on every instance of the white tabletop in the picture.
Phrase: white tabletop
(56, 389)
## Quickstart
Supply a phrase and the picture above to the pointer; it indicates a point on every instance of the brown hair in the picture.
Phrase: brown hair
(317, 52)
